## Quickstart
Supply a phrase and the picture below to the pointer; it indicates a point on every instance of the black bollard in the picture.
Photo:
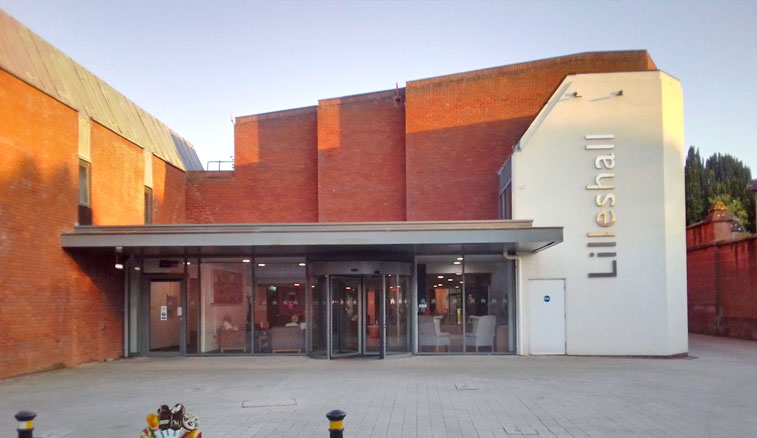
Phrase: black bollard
(25, 424)
(336, 426)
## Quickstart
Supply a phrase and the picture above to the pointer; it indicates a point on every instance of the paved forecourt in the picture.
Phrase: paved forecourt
(713, 393)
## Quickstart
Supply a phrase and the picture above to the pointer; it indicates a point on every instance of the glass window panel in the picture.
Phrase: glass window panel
(148, 205)
(489, 300)
(280, 316)
(165, 265)
(345, 315)
(280, 267)
(193, 306)
(440, 303)
(319, 321)
(225, 294)
(372, 314)
(397, 314)
(134, 291)
(84, 183)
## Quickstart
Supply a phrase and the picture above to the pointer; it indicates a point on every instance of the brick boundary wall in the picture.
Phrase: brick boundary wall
(722, 288)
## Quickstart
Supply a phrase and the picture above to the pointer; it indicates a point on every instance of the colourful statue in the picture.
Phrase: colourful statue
(171, 423)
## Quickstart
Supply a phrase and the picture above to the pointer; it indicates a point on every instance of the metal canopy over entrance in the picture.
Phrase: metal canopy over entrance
(273, 239)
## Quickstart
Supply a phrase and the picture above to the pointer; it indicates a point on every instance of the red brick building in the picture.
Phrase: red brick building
(74, 147)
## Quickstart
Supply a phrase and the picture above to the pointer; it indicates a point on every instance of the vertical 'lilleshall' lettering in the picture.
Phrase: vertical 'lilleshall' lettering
(602, 243)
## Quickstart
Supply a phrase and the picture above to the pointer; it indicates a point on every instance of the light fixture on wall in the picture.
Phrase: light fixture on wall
(118, 264)
(575, 94)
(619, 93)
(245, 260)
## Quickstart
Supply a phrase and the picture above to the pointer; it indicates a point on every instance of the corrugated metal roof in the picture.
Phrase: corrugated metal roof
(30, 58)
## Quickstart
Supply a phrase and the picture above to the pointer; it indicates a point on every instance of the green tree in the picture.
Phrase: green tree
(696, 207)
(721, 177)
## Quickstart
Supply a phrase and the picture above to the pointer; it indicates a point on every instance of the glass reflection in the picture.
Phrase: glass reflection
(345, 315)
(193, 306)
(226, 290)
(489, 292)
(319, 319)
(440, 303)
(397, 314)
(372, 301)
(279, 306)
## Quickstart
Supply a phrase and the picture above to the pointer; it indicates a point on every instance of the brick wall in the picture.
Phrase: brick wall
(274, 178)
(168, 188)
(722, 288)
(118, 181)
(361, 158)
(702, 302)
(55, 310)
(461, 128)
(212, 197)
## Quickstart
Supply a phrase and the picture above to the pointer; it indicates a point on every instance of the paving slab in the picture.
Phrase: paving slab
(713, 393)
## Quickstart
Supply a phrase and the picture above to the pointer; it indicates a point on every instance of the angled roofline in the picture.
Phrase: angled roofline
(523, 66)
(555, 97)
(34, 61)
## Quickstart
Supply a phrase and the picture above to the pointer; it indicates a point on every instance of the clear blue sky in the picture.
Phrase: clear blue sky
(192, 64)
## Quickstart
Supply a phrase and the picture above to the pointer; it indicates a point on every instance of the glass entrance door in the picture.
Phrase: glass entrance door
(346, 318)
(165, 316)
(371, 315)
(359, 308)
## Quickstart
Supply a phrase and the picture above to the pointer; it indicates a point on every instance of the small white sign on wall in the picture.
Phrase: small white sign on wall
(163, 313)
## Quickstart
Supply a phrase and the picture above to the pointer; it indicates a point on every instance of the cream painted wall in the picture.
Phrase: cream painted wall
(642, 311)
(674, 151)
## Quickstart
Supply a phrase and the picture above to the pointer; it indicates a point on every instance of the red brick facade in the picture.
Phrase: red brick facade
(275, 173)
(722, 283)
(361, 158)
(117, 179)
(61, 309)
(56, 309)
(168, 188)
(427, 152)
(461, 128)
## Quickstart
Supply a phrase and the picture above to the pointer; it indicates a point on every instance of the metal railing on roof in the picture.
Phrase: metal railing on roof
(219, 165)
